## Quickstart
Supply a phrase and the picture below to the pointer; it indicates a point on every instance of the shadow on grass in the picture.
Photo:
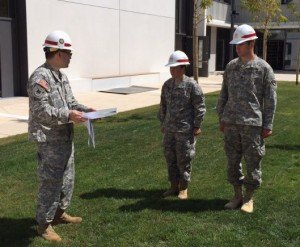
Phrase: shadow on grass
(284, 147)
(191, 205)
(152, 199)
(17, 232)
(129, 118)
(121, 193)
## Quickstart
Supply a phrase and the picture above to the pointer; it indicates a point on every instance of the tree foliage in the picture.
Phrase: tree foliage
(265, 13)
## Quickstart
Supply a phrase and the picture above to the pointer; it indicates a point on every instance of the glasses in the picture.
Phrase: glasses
(67, 52)
(244, 43)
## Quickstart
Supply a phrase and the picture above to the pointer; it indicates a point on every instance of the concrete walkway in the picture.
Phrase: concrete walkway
(14, 111)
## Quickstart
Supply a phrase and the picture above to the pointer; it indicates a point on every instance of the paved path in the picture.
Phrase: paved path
(14, 111)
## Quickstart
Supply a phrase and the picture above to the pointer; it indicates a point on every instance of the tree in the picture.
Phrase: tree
(199, 15)
(265, 12)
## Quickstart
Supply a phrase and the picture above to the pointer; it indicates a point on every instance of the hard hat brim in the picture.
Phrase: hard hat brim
(240, 41)
(176, 64)
(57, 47)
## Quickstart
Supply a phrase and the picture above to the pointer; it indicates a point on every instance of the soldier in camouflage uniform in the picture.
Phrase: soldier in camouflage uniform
(246, 108)
(181, 112)
(52, 111)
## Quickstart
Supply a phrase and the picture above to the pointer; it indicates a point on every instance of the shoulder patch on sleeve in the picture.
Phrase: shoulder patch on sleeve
(44, 85)
(38, 92)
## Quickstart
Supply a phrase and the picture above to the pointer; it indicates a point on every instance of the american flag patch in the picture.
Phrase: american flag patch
(43, 84)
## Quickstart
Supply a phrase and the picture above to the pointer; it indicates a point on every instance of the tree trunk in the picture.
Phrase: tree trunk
(298, 67)
(265, 45)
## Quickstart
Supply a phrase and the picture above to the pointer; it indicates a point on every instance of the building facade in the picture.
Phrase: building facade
(284, 42)
(13, 48)
(215, 35)
(116, 42)
(123, 42)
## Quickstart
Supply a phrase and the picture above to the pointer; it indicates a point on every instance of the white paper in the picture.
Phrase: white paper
(96, 115)
(91, 139)
(100, 113)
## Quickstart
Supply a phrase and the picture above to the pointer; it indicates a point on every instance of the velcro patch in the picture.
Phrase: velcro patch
(38, 92)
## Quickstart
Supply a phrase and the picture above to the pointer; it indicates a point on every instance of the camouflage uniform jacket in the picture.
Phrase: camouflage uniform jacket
(50, 99)
(248, 94)
(182, 106)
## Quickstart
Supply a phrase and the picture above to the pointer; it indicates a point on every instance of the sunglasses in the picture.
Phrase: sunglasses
(67, 52)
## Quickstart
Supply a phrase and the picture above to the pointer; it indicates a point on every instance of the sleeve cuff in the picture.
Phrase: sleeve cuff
(268, 126)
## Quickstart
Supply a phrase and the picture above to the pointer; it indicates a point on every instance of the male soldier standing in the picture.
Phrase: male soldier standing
(246, 108)
(52, 111)
(181, 112)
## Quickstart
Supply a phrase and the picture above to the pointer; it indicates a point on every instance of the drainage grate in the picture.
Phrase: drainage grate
(129, 90)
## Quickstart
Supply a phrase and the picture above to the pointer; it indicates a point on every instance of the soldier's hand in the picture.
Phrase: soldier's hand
(266, 133)
(222, 126)
(76, 116)
(197, 131)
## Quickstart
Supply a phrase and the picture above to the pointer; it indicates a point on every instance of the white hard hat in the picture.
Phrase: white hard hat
(178, 58)
(58, 40)
(242, 34)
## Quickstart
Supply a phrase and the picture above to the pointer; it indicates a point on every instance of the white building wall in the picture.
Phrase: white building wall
(294, 39)
(213, 51)
(144, 48)
(110, 37)
(220, 13)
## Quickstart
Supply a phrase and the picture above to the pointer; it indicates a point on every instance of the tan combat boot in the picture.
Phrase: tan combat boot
(63, 218)
(237, 199)
(173, 191)
(248, 201)
(183, 185)
(48, 233)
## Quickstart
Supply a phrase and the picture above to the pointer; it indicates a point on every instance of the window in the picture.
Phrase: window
(288, 52)
(181, 6)
(4, 10)
(225, 1)
(286, 1)
(7, 8)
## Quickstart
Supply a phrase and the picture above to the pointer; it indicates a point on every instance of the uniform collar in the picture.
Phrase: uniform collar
(249, 64)
(55, 73)
(48, 66)
(182, 83)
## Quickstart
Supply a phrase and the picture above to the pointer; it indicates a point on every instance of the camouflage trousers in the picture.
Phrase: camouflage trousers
(244, 141)
(56, 176)
(179, 150)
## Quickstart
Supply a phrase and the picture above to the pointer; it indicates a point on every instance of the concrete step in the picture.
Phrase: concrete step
(110, 82)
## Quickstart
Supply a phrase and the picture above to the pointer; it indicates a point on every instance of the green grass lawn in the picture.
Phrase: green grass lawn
(119, 185)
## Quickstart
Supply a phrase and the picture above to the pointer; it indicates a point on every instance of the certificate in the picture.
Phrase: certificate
(100, 113)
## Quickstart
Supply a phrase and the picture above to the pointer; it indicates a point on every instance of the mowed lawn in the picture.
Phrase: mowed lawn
(119, 185)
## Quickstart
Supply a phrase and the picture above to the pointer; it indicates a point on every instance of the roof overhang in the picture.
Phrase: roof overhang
(219, 23)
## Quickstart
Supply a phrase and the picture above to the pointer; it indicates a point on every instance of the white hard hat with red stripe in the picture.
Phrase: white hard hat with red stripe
(58, 40)
(242, 34)
(178, 58)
